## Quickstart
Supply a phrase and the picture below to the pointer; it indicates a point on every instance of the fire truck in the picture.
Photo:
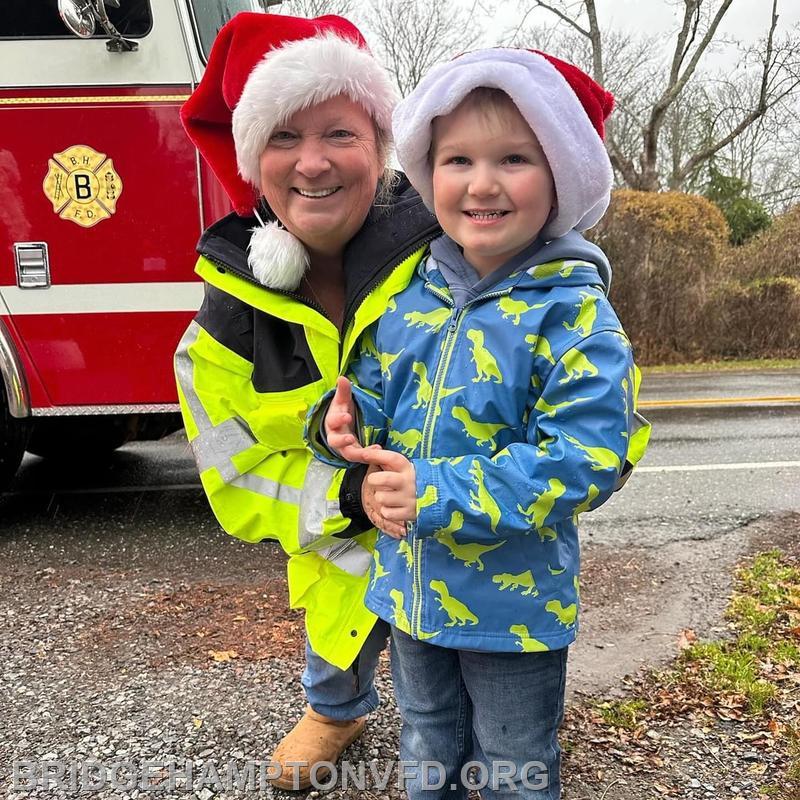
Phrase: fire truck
(103, 199)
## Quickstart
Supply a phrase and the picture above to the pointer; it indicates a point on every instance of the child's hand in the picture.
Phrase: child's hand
(340, 429)
(395, 484)
(394, 529)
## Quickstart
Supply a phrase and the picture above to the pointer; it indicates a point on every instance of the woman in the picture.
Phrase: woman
(299, 112)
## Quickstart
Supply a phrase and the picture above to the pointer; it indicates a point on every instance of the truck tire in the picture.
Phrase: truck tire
(13, 439)
(77, 439)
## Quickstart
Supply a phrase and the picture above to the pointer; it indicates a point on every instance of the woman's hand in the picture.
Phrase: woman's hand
(340, 429)
(370, 505)
(394, 486)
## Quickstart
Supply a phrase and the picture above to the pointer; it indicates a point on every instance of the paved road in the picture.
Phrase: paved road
(739, 385)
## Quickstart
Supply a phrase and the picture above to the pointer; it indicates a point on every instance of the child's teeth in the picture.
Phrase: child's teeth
(485, 214)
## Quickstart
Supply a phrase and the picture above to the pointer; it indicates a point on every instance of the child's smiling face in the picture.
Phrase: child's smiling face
(492, 186)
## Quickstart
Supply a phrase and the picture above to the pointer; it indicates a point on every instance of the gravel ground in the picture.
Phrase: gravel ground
(124, 641)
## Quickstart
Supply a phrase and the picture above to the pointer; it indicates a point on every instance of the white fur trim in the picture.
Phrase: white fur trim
(299, 75)
(576, 154)
(277, 258)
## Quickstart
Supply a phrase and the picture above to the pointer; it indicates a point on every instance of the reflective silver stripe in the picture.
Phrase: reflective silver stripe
(315, 508)
(349, 556)
(268, 488)
(214, 445)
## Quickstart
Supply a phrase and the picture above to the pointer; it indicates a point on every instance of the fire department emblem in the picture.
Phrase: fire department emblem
(82, 185)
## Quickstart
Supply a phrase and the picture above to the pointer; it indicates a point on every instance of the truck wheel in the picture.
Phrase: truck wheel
(80, 438)
(13, 438)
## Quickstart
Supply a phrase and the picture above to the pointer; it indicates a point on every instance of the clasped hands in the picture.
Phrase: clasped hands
(389, 491)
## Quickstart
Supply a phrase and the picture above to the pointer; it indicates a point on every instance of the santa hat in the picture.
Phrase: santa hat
(262, 69)
(564, 107)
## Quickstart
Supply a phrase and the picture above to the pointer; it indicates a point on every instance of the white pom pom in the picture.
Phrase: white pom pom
(277, 258)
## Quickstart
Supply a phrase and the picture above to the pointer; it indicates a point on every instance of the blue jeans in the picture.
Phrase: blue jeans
(350, 693)
(499, 711)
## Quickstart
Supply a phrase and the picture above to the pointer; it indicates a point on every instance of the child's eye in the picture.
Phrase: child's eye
(458, 160)
(515, 158)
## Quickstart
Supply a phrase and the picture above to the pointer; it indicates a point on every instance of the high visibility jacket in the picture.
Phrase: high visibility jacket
(250, 365)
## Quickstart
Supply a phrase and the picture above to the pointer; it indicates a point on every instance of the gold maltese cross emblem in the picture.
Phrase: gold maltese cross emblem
(82, 185)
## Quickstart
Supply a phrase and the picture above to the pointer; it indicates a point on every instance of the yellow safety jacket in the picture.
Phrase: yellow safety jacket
(250, 365)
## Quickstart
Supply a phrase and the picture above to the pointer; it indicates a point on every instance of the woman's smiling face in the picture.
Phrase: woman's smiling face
(319, 173)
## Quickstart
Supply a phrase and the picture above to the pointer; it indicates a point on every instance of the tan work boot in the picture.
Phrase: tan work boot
(315, 738)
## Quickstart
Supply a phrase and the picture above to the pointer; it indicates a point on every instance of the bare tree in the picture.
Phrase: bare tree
(663, 134)
(317, 8)
(413, 36)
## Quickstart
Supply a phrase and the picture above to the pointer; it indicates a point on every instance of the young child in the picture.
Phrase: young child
(500, 388)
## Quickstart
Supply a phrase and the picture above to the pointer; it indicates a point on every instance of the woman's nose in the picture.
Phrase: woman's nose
(483, 182)
(312, 159)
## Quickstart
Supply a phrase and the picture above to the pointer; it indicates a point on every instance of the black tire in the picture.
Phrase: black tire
(80, 438)
(13, 439)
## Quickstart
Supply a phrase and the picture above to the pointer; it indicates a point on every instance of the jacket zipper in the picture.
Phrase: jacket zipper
(453, 327)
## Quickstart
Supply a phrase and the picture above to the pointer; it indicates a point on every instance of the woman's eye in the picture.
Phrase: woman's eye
(341, 133)
(281, 136)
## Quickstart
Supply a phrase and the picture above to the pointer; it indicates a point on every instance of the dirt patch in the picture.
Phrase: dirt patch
(206, 623)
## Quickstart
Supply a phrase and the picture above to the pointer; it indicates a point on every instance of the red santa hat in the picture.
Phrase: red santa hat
(564, 107)
(262, 69)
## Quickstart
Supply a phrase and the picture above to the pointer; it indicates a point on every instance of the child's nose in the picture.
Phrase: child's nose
(483, 182)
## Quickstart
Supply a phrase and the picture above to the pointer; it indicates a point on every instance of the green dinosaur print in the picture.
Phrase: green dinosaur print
(433, 321)
(380, 572)
(585, 505)
(455, 524)
(429, 497)
(536, 382)
(566, 616)
(587, 314)
(481, 500)
(550, 411)
(562, 268)
(554, 571)
(404, 549)
(576, 365)
(537, 512)
(368, 347)
(387, 359)
(526, 643)
(400, 617)
(391, 305)
(546, 534)
(514, 309)
(408, 441)
(513, 582)
(481, 432)
(468, 553)
(458, 613)
(600, 457)
(452, 461)
(543, 447)
(425, 389)
(368, 434)
(540, 346)
(485, 363)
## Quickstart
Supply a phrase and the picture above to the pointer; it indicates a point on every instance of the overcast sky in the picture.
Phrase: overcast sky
(746, 20)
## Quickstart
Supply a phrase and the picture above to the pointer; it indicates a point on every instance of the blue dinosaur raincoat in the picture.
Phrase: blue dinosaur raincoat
(516, 409)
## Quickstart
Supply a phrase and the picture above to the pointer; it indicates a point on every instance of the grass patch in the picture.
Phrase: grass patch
(625, 714)
(714, 366)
